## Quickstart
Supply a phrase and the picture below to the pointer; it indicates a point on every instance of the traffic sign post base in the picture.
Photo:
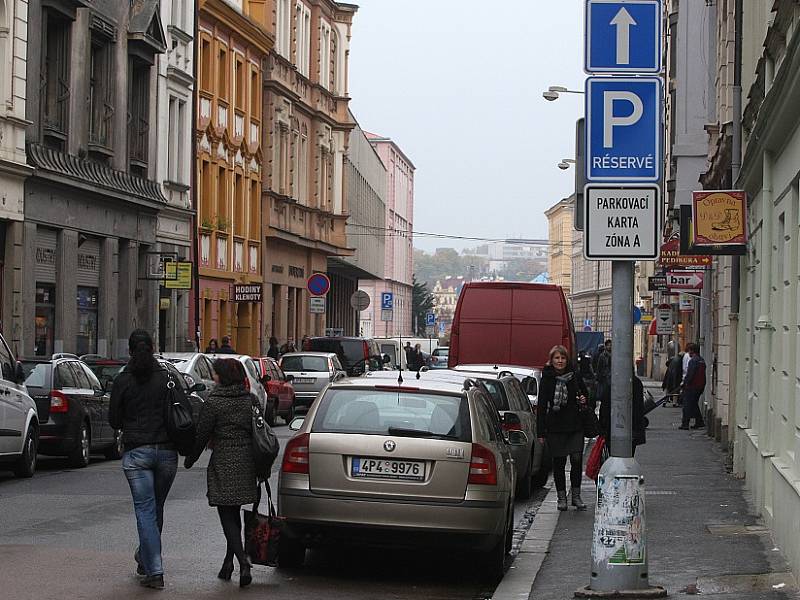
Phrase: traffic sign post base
(619, 545)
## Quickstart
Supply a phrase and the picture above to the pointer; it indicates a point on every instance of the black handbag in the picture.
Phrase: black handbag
(589, 422)
(262, 533)
(265, 443)
(181, 427)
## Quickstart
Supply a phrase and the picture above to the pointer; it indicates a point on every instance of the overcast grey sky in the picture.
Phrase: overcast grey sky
(458, 86)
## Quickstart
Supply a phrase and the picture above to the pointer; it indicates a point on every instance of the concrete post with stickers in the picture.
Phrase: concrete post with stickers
(622, 221)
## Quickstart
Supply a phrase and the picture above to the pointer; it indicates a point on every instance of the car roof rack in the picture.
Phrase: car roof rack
(502, 374)
(58, 355)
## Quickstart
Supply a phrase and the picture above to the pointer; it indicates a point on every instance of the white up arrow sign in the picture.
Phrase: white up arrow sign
(623, 21)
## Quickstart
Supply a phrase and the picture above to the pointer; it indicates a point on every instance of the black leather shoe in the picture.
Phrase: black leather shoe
(139, 568)
(683, 427)
(155, 582)
(699, 426)
(226, 571)
(245, 578)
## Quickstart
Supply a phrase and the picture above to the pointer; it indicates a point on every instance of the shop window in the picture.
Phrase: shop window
(87, 321)
(45, 319)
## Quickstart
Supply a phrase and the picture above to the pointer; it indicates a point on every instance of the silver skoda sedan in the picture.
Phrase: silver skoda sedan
(408, 464)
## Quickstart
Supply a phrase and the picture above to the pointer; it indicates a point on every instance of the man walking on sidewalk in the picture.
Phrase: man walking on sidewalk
(693, 386)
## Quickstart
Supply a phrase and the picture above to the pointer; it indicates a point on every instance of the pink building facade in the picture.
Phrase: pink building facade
(399, 257)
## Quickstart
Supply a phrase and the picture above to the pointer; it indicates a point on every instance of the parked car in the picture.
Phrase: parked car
(411, 465)
(515, 413)
(19, 420)
(394, 348)
(440, 357)
(311, 372)
(106, 369)
(513, 323)
(253, 384)
(73, 409)
(357, 355)
(530, 378)
(197, 366)
(279, 386)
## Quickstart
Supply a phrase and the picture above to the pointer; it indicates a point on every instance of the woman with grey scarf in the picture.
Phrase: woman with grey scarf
(562, 395)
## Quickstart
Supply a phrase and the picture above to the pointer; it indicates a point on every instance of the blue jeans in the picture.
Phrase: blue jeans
(150, 471)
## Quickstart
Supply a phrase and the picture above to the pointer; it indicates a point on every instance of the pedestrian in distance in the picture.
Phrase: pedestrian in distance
(562, 395)
(139, 407)
(639, 420)
(274, 350)
(213, 346)
(226, 347)
(416, 360)
(694, 384)
(603, 371)
(672, 378)
(226, 418)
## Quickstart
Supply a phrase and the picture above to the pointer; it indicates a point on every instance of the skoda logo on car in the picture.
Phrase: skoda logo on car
(389, 446)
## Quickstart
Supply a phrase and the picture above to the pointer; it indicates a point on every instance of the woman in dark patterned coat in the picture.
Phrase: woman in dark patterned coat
(226, 419)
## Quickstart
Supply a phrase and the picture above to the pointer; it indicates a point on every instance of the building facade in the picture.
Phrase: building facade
(559, 260)
(767, 413)
(234, 38)
(445, 294)
(591, 290)
(91, 261)
(174, 164)
(305, 137)
(365, 180)
(399, 255)
(13, 165)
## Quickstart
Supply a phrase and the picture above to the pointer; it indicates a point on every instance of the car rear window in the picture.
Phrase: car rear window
(317, 364)
(496, 393)
(36, 374)
(377, 411)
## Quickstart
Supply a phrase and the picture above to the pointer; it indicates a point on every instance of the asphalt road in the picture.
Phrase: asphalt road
(70, 533)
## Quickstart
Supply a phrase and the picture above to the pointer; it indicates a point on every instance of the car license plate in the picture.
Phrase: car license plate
(303, 380)
(377, 468)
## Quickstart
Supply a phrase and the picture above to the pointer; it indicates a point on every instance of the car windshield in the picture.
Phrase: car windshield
(440, 352)
(36, 374)
(389, 412)
(318, 364)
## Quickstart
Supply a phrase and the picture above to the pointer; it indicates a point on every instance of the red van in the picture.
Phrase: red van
(509, 323)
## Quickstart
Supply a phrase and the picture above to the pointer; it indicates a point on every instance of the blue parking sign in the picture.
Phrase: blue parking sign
(430, 319)
(623, 129)
(623, 36)
(387, 301)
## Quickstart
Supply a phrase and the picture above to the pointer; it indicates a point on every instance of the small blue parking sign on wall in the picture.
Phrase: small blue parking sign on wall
(430, 319)
(387, 300)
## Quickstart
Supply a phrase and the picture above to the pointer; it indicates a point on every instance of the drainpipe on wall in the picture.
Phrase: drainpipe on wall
(736, 165)
(195, 199)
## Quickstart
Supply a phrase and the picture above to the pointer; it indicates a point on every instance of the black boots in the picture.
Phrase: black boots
(576, 499)
(155, 582)
(245, 578)
(562, 500)
(227, 570)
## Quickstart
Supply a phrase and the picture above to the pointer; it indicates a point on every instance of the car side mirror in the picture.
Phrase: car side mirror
(516, 438)
(297, 424)
(19, 374)
(198, 387)
(100, 391)
(386, 359)
(290, 378)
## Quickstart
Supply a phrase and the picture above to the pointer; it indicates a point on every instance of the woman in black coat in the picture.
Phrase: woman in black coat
(562, 395)
(226, 418)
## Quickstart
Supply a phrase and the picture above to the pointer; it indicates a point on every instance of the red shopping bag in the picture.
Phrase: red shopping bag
(595, 460)
(262, 533)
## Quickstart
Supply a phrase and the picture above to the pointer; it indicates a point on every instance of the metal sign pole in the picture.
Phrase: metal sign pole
(621, 359)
